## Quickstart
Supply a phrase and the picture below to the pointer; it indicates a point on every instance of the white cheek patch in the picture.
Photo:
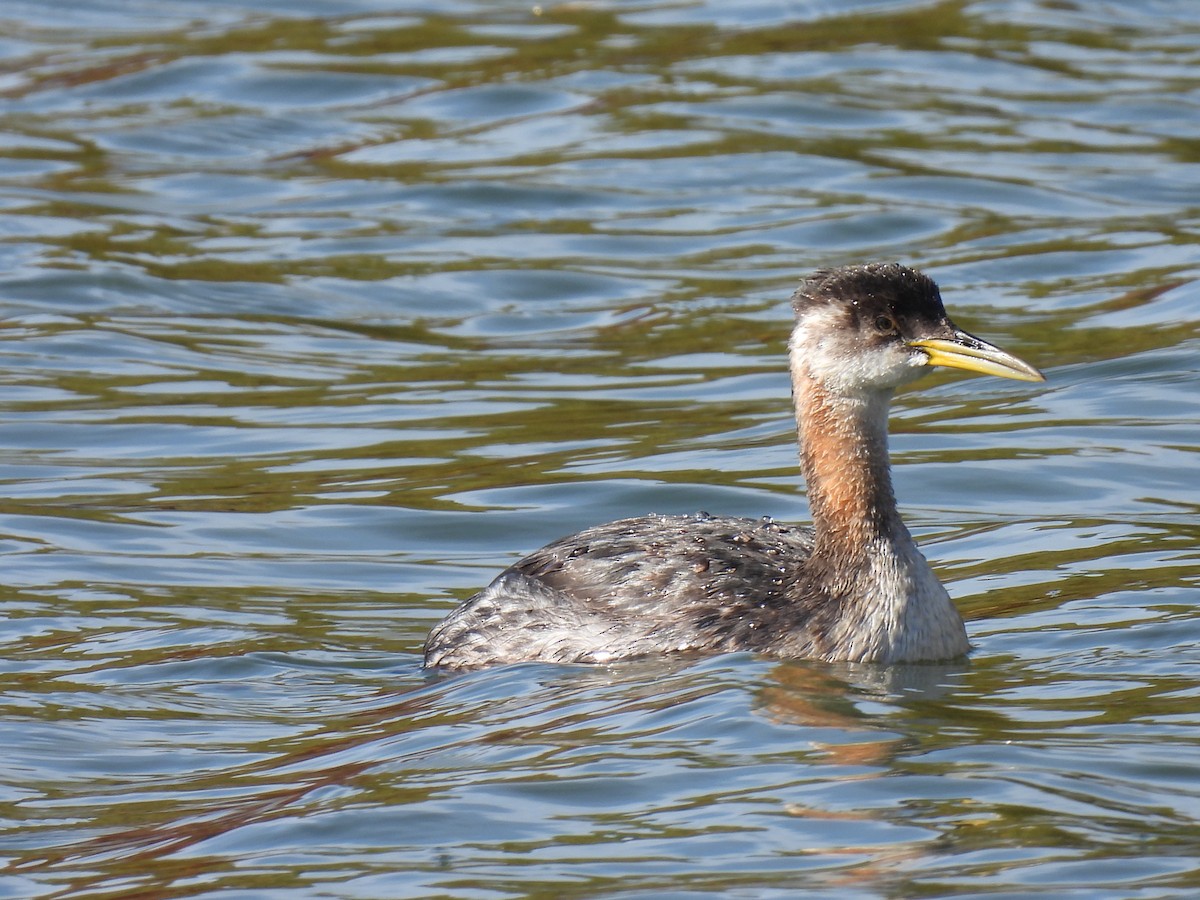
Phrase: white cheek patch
(811, 347)
(822, 347)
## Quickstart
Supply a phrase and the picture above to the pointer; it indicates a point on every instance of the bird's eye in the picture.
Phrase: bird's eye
(885, 324)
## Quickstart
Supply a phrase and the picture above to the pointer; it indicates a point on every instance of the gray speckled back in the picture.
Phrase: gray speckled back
(647, 584)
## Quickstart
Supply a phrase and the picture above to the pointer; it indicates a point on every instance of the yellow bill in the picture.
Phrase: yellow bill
(965, 351)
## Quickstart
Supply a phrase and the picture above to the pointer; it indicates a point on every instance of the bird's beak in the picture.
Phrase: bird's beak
(965, 351)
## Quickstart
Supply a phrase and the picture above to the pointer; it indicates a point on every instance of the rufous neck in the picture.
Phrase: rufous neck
(844, 458)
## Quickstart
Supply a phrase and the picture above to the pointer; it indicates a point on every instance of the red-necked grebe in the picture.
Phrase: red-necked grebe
(853, 587)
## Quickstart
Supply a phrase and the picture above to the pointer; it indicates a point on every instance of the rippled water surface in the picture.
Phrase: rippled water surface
(315, 315)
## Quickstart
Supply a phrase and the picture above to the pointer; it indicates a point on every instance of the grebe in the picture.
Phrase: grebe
(854, 587)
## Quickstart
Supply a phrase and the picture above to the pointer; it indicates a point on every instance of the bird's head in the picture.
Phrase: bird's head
(878, 326)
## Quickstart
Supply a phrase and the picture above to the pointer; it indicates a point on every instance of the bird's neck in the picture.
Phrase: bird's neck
(844, 458)
(880, 600)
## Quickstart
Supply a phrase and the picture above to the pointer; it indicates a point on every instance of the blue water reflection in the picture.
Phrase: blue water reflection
(315, 318)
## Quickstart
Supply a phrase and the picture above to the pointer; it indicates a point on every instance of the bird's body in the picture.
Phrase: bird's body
(853, 587)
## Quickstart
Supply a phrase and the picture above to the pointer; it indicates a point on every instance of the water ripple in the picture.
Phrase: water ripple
(312, 321)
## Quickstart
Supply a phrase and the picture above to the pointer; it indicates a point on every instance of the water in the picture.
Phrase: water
(315, 318)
